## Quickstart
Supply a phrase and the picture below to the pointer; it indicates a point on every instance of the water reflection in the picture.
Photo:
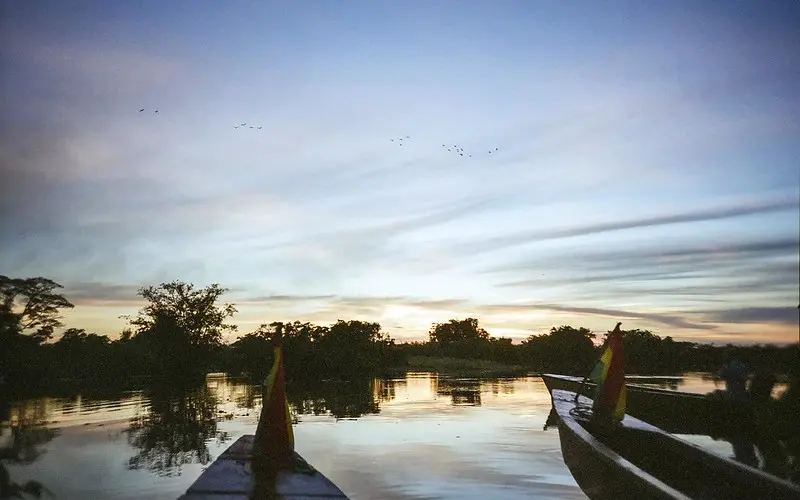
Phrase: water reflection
(552, 420)
(23, 435)
(341, 400)
(420, 435)
(661, 382)
(175, 430)
(465, 392)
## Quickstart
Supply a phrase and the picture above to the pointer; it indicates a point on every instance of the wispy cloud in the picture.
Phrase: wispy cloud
(780, 315)
(717, 213)
(663, 319)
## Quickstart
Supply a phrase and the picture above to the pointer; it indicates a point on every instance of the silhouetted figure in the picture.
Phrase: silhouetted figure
(787, 411)
(736, 421)
(764, 435)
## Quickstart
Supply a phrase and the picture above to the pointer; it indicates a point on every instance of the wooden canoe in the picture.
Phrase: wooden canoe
(636, 460)
(231, 477)
(672, 411)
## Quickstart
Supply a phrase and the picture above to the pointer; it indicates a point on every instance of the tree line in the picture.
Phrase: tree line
(178, 336)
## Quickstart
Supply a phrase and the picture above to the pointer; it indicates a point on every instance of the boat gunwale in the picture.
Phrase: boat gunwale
(561, 400)
(564, 397)
(636, 387)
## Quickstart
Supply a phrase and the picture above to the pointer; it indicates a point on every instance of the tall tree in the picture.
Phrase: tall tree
(195, 312)
(181, 327)
(460, 338)
(31, 306)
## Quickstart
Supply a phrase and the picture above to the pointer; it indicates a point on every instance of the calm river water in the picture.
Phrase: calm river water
(417, 436)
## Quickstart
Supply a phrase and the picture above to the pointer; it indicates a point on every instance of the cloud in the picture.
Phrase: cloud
(776, 257)
(283, 299)
(87, 294)
(718, 213)
(778, 315)
(665, 319)
(90, 67)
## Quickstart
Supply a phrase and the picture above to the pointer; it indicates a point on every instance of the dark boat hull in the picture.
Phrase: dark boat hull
(671, 411)
(638, 460)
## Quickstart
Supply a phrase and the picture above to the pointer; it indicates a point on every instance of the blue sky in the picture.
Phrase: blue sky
(635, 161)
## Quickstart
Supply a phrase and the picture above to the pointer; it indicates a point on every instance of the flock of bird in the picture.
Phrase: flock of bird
(455, 149)
(399, 141)
(245, 125)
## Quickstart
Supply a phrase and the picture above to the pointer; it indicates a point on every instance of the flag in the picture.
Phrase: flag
(609, 375)
(274, 436)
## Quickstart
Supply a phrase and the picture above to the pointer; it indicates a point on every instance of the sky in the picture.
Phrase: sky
(560, 162)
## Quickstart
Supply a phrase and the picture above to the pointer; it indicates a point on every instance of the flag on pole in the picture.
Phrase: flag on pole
(609, 375)
(274, 436)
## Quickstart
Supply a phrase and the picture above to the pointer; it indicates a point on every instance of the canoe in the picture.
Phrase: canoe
(672, 411)
(637, 460)
(230, 477)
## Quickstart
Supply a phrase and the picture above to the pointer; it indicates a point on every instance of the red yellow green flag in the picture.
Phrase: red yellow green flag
(609, 376)
(275, 435)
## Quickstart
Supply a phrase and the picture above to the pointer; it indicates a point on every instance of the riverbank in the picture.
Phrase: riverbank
(463, 367)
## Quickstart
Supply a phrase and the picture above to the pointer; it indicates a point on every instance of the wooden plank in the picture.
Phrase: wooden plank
(231, 477)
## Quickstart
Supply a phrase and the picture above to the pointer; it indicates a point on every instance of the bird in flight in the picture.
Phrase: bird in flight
(259, 128)
(141, 110)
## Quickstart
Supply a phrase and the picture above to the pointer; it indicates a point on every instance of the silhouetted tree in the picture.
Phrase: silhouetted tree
(647, 353)
(83, 355)
(181, 327)
(29, 312)
(564, 349)
(460, 338)
(31, 306)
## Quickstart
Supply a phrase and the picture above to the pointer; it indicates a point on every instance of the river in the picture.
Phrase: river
(416, 436)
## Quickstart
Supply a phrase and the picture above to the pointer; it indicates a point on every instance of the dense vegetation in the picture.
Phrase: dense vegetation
(178, 336)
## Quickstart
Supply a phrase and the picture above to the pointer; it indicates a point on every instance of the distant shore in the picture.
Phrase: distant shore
(463, 367)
